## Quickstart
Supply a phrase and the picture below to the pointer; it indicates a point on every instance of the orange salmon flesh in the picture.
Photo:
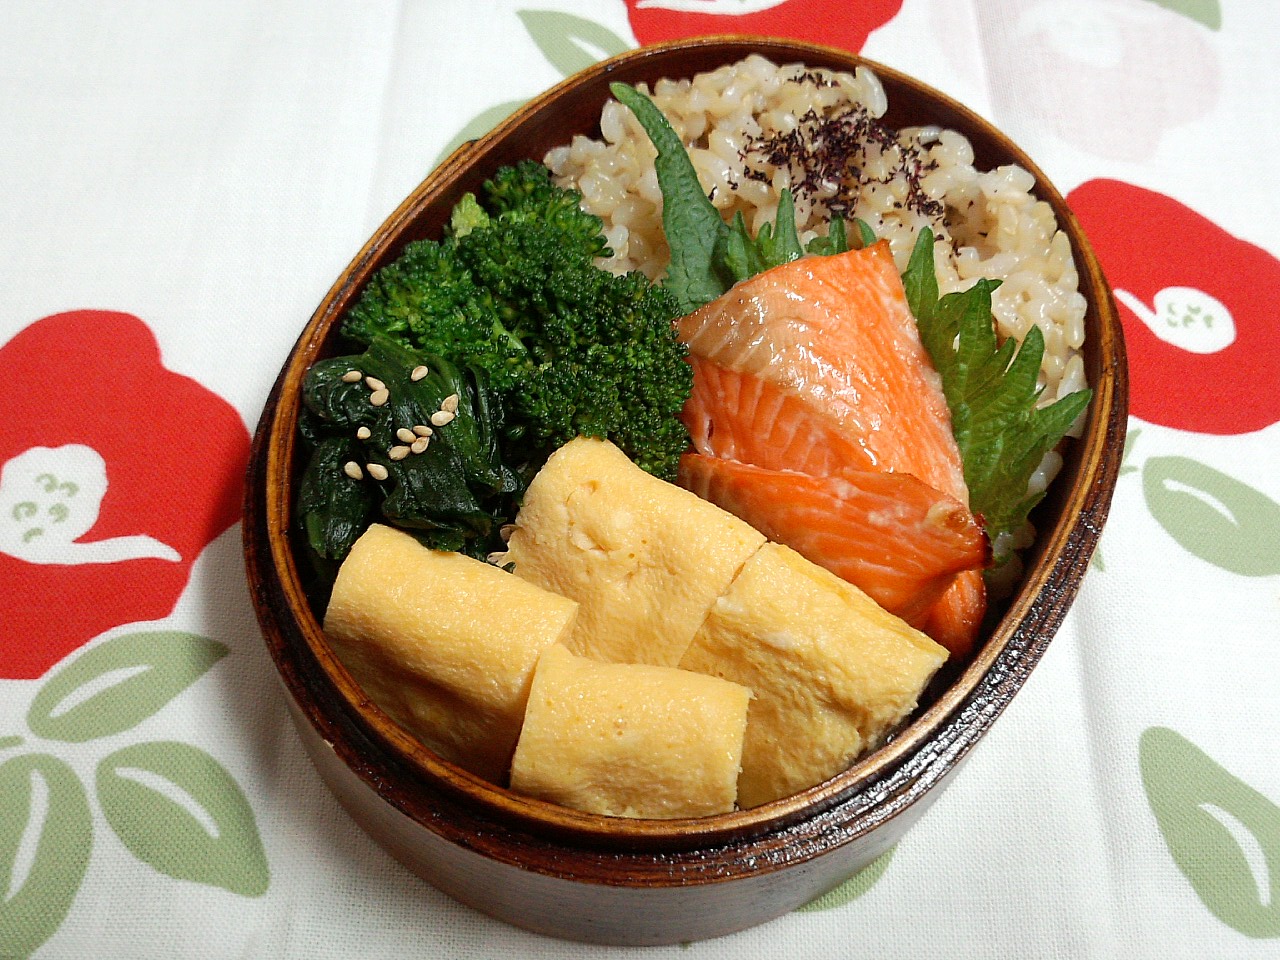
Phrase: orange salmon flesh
(813, 373)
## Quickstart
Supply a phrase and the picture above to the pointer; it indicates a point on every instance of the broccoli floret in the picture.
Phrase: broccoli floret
(468, 215)
(429, 300)
(525, 193)
(609, 366)
(571, 349)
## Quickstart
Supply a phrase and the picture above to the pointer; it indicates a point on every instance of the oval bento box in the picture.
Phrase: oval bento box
(612, 880)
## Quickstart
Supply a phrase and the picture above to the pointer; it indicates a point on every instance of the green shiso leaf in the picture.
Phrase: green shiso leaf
(836, 240)
(692, 224)
(708, 256)
(990, 387)
(866, 235)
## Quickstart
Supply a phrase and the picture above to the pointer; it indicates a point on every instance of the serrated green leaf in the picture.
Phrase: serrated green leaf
(734, 248)
(866, 236)
(738, 256)
(782, 243)
(920, 282)
(118, 683)
(708, 256)
(570, 43)
(990, 390)
(855, 886)
(1184, 787)
(836, 239)
(1214, 516)
(163, 833)
(32, 913)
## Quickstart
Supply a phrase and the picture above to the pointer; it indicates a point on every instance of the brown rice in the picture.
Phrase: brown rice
(991, 221)
(994, 224)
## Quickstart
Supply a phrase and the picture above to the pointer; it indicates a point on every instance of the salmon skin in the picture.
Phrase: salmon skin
(895, 537)
(813, 374)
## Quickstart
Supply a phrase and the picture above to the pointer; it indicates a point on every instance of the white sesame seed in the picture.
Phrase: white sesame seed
(405, 435)
(418, 373)
(398, 452)
(364, 433)
(379, 397)
(422, 430)
(351, 376)
(441, 417)
(352, 470)
(377, 471)
(450, 403)
(420, 445)
(373, 383)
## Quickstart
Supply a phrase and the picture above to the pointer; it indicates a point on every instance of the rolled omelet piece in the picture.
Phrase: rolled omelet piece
(643, 558)
(630, 740)
(832, 672)
(446, 645)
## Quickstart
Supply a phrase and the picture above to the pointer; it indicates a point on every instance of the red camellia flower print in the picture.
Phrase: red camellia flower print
(114, 474)
(1198, 308)
(844, 25)
(1114, 55)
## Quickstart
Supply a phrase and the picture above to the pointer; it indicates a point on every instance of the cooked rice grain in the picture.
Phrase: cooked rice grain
(991, 223)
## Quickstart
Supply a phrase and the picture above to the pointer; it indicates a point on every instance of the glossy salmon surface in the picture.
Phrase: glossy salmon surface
(836, 333)
(895, 537)
(819, 419)
(740, 416)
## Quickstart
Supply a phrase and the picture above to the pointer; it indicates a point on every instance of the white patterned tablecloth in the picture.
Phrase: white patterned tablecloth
(183, 181)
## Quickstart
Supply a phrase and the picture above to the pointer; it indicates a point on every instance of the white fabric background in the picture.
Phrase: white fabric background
(212, 166)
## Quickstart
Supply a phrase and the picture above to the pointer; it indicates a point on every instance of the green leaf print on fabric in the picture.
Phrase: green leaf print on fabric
(855, 886)
(171, 804)
(1130, 438)
(1208, 12)
(1191, 795)
(117, 684)
(179, 811)
(1096, 562)
(1214, 516)
(570, 43)
(35, 903)
(479, 126)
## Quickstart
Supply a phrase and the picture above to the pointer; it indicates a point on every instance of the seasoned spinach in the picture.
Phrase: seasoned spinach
(451, 488)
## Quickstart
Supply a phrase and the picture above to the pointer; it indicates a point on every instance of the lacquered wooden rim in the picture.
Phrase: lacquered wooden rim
(874, 790)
